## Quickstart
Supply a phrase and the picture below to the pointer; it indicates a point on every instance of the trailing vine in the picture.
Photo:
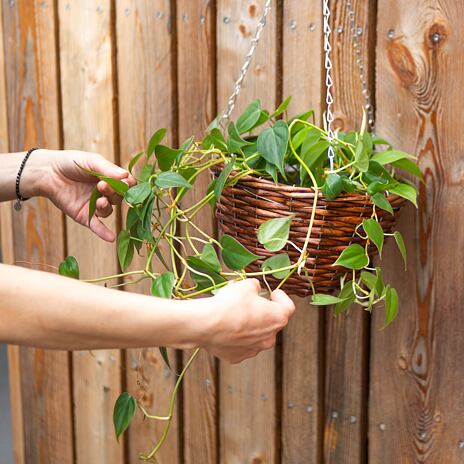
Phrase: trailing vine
(291, 151)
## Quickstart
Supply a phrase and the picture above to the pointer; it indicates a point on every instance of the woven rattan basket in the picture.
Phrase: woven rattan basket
(252, 201)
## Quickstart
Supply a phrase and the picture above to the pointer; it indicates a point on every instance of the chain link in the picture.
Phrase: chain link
(328, 82)
(369, 108)
(248, 59)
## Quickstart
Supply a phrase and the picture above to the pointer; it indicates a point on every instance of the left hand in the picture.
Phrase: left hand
(70, 188)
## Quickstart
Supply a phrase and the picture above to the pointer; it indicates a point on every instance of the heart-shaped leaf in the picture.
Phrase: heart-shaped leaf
(138, 194)
(155, 140)
(117, 185)
(166, 156)
(390, 156)
(273, 234)
(222, 179)
(209, 256)
(249, 117)
(353, 257)
(319, 299)
(333, 186)
(380, 201)
(391, 306)
(124, 411)
(171, 179)
(374, 232)
(348, 298)
(235, 255)
(125, 249)
(401, 246)
(276, 262)
(406, 191)
(93, 202)
(69, 268)
(162, 286)
(282, 107)
(361, 157)
(272, 144)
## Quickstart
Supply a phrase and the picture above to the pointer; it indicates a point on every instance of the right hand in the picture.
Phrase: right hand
(246, 323)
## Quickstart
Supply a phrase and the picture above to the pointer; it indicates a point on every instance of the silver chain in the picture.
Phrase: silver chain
(360, 62)
(328, 82)
(248, 59)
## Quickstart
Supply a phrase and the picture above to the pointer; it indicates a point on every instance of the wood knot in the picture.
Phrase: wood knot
(402, 62)
(252, 10)
(436, 36)
(340, 123)
(402, 363)
(257, 460)
(243, 31)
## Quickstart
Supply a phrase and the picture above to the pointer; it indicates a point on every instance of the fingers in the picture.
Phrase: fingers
(104, 207)
(283, 300)
(101, 230)
(107, 168)
(109, 193)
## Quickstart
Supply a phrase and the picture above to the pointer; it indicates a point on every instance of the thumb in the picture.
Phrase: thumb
(101, 230)
(283, 300)
(107, 168)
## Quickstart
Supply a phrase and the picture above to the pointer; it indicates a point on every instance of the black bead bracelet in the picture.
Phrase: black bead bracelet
(19, 197)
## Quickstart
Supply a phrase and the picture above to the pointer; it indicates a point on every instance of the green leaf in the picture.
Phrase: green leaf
(277, 262)
(369, 279)
(93, 202)
(124, 412)
(401, 246)
(69, 268)
(235, 142)
(353, 257)
(272, 171)
(234, 254)
(132, 218)
(203, 274)
(390, 156)
(361, 157)
(313, 157)
(125, 249)
(147, 212)
(282, 107)
(406, 191)
(155, 140)
(409, 166)
(138, 194)
(381, 201)
(375, 233)
(273, 234)
(118, 186)
(333, 186)
(222, 179)
(379, 285)
(264, 117)
(186, 144)
(162, 286)
(146, 172)
(171, 179)
(164, 355)
(391, 306)
(319, 299)
(134, 160)
(166, 156)
(209, 256)
(272, 144)
(347, 295)
(249, 117)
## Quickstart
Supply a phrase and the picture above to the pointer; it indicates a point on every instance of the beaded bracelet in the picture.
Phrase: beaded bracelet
(19, 197)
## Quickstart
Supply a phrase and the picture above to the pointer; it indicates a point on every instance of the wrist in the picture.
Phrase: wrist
(35, 177)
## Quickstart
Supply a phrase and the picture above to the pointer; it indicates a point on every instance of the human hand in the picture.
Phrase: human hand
(70, 188)
(246, 323)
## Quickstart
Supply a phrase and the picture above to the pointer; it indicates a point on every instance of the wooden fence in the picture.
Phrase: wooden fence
(102, 75)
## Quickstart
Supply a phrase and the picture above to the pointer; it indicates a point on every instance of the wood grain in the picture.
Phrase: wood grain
(302, 370)
(145, 93)
(196, 84)
(347, 336)
(416, 394)
(88, 124)
(33, 120)
(248, 391)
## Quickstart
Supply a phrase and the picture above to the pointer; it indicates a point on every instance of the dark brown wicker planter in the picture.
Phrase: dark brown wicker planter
(252, 201)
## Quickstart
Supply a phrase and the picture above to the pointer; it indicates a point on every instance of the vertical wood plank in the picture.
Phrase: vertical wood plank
(6, 245)
(416, 394)
(347, 336)
(86, 51)
(302, 398)
(33, 120)
(248, 395)
(146, 87)
(196, 91)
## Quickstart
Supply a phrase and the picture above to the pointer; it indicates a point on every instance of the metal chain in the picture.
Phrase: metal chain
(328, 82)
(248, 59)
(360, 62)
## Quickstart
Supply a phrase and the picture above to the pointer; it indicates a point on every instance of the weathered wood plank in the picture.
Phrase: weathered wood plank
(247, 391)
(86, 52)
(145, 84)
(347, 336)
(302, 396)
(416, 394)
(196, 93)
(33, 120)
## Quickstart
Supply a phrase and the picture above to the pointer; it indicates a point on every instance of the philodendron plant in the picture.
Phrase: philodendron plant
(291, 151)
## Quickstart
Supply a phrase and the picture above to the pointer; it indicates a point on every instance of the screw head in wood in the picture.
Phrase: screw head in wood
(461, 444)
(292, 24)
(312, 27)
(436, 37)
(391, 34)
(382, 427)
(226, 20)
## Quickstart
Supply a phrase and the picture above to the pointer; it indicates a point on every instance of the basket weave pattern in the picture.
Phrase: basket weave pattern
(252, 201)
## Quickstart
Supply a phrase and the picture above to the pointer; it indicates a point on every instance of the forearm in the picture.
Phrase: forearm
(49, 311)
(32, 174)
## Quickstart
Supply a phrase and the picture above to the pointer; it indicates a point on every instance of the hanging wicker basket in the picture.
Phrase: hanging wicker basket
(252, 201)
